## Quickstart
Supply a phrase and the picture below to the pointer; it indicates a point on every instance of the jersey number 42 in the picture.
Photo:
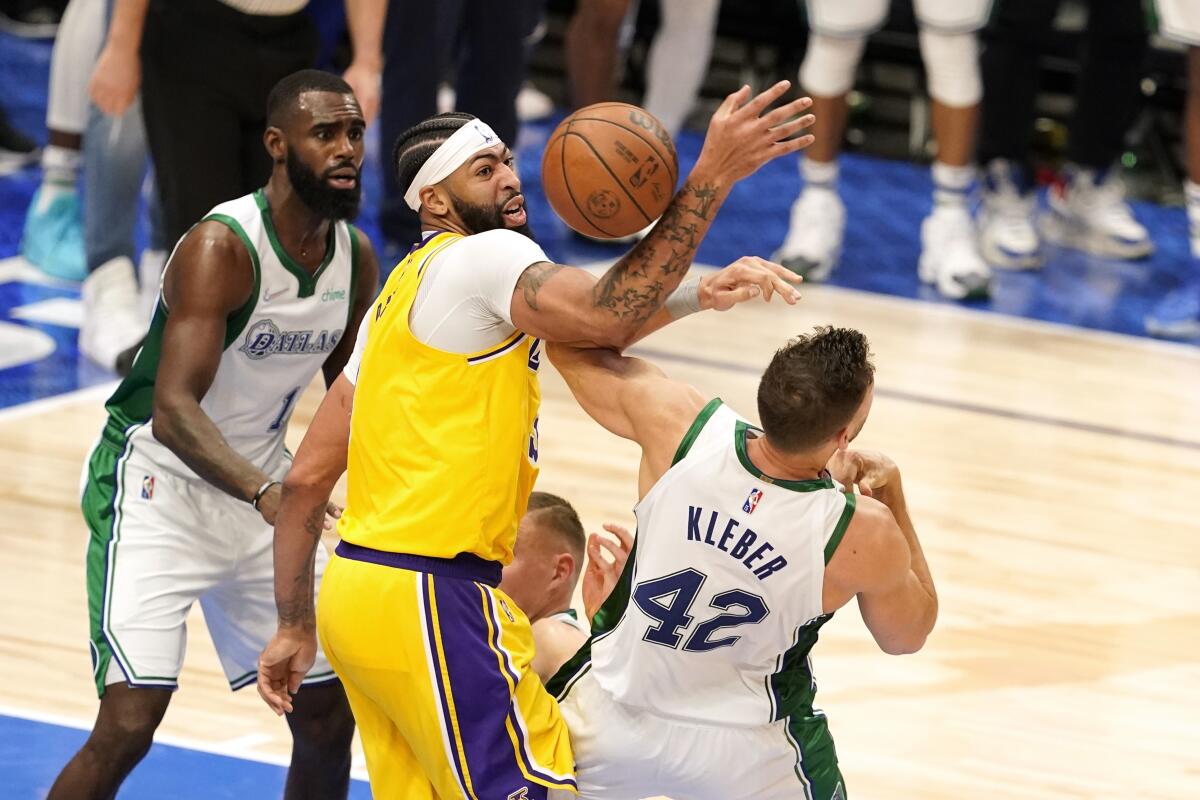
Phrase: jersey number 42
(668, 601)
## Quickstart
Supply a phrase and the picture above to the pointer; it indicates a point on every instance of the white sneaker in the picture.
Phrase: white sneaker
(950, 257)
(1088, 212)
(150, 268)
(446, 98)
(533, 104)
(1007, 236)
(814, 238)
(112, 320)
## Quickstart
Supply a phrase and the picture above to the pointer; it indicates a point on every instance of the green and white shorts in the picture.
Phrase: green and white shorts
(160, 542)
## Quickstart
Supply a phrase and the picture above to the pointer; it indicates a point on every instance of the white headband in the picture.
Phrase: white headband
(468, 140)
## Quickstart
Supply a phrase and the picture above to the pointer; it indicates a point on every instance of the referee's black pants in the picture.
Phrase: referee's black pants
(206, 72)
(1107, 95)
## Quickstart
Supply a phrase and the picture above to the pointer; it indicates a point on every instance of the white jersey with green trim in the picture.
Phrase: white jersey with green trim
(274, 344)
(724, 596)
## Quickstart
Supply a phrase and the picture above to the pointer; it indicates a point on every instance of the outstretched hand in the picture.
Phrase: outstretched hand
(601, 574)
(745, 279)
(741, 137)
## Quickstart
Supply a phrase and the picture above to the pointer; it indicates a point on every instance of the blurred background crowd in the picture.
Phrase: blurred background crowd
(1045, 130)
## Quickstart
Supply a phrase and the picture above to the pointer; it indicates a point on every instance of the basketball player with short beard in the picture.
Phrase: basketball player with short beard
(183, 486)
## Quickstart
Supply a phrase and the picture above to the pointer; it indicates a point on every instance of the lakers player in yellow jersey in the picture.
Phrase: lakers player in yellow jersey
(442, 454)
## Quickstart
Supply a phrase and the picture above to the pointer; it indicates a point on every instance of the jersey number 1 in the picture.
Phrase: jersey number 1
(667, 601)
(283, 412)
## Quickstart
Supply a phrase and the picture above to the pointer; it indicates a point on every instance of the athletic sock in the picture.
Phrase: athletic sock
(819, 174)
(951, 185)
(60, 166)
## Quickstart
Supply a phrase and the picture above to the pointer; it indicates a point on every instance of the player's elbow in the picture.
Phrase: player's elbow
(308, 478)
(913, 635)
(903, 645)
(615, 334)
(907, 626)
(165, 423)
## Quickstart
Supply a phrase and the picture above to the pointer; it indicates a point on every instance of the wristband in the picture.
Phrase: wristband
(262, 490)
(684, 300)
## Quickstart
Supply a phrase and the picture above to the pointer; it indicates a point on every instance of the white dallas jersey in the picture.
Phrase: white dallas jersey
(724, 597)
(274, 344)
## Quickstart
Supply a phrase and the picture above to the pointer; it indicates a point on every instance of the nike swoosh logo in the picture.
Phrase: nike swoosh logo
(267, 295)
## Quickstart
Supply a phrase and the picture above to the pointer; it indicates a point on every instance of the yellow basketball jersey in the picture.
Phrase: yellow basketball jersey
(443, 446)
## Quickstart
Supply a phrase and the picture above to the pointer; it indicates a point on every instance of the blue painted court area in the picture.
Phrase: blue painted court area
(885, 201)
(32, 753)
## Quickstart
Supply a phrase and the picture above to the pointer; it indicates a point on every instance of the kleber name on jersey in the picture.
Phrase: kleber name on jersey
(266, 339)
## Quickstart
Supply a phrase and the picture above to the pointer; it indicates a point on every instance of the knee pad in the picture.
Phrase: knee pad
(952, 67)
(830, 63)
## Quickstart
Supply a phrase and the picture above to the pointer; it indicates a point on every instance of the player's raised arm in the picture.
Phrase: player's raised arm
(747, 278)
(632, 398)
(559, 303)
(209, 277)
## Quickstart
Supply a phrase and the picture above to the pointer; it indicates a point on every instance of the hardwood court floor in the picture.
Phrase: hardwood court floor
(1053, 476)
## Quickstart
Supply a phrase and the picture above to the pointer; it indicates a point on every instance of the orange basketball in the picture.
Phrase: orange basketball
(609, 170)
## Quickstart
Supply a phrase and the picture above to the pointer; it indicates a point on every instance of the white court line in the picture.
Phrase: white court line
(186, 743)
(1009, 320)
(99, 392)
(1001, 318)
(16, 268)
(61, 311)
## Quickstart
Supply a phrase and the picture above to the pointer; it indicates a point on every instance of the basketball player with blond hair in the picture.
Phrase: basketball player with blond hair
(443, 449)
(548, 561)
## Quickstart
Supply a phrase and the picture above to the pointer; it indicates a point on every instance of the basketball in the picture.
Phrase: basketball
(609, 170)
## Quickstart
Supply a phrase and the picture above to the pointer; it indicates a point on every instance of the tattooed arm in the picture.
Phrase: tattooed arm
(319, 463)
(560, 303)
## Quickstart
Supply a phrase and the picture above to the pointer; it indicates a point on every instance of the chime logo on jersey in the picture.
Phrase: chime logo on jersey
(148, 487)
(265, 339)
(752, 501)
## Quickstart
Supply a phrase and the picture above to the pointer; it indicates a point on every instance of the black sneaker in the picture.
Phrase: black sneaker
(16, 149)
(31, 19)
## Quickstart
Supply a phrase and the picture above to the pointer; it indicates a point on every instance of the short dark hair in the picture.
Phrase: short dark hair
(813, 386)
(557, 515)
(414, 147)
(287, 91)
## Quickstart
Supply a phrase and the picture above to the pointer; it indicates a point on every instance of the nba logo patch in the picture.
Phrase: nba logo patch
(752, 501)
(148, 487)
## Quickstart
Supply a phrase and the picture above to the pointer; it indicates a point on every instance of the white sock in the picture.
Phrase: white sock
(60, 165)
(951, 185)
(76, 47)
(819, 174)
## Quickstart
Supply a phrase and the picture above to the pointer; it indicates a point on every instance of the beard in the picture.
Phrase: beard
(314, 192)
(487, 218)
